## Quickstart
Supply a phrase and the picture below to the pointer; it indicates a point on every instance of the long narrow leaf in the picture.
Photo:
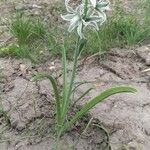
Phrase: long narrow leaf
(79, 84)
(56, 92)
(82, 96)
(64, 69)
(71, 84)
(82, 44)
(97, 100)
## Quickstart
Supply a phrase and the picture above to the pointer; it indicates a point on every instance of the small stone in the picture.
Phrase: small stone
(147, 129)
(132, 146)
(36, 6)
(45, 88)
(20, 126)
(36, 13)
(52, 68)
(23, 69)
(144, 53)
(148, 59)
(14, 123)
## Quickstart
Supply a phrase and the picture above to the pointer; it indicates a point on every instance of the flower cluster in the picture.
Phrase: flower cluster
(88, 13)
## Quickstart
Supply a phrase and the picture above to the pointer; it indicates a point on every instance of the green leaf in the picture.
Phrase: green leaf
(82, 96)
(65, 86)
(82, 44)
(95, 101)
(78, 84)
(71, 83)
(56, 92)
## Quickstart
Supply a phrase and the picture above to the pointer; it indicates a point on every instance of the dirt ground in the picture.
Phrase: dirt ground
(126, 116)
(29, 105)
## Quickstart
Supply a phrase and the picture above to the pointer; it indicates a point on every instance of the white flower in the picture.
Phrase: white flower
(75, 17)
(79, 20)
(102, 5)
(93, 2)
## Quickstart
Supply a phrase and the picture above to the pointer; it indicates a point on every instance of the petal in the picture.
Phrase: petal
(103, 16)
(68, 17)
(73, 23)
(72, 27)
(103, 5)
(96, 18)
(90, 12)
(69, 9)
(80, 30)
(66, 1)
(94, 24)
(76, 18)
(86, 23)
(107, 8)
(93, 2)
(80, 10)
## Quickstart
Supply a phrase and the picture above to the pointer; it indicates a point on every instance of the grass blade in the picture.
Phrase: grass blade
(97, 100)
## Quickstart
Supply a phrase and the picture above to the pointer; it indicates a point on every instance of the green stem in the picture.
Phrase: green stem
(67, 99)
(55, 147)
(85, 8)
(74, 68)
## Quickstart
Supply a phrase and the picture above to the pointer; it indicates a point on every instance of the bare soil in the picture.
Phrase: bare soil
(126, 116)
(29, 106)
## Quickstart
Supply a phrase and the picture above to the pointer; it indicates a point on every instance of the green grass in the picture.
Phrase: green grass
(29, 35)
(21, 29)
(38, 41)
(33, 39)
(121, 30)
(15, 51)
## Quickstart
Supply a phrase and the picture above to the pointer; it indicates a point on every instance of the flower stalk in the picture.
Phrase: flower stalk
(67, 98)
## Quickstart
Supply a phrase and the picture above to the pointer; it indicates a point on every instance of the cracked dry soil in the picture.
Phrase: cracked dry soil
(30, 105)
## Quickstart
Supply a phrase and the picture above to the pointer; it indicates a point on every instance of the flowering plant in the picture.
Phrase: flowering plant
(86, 14)
(90, 13)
